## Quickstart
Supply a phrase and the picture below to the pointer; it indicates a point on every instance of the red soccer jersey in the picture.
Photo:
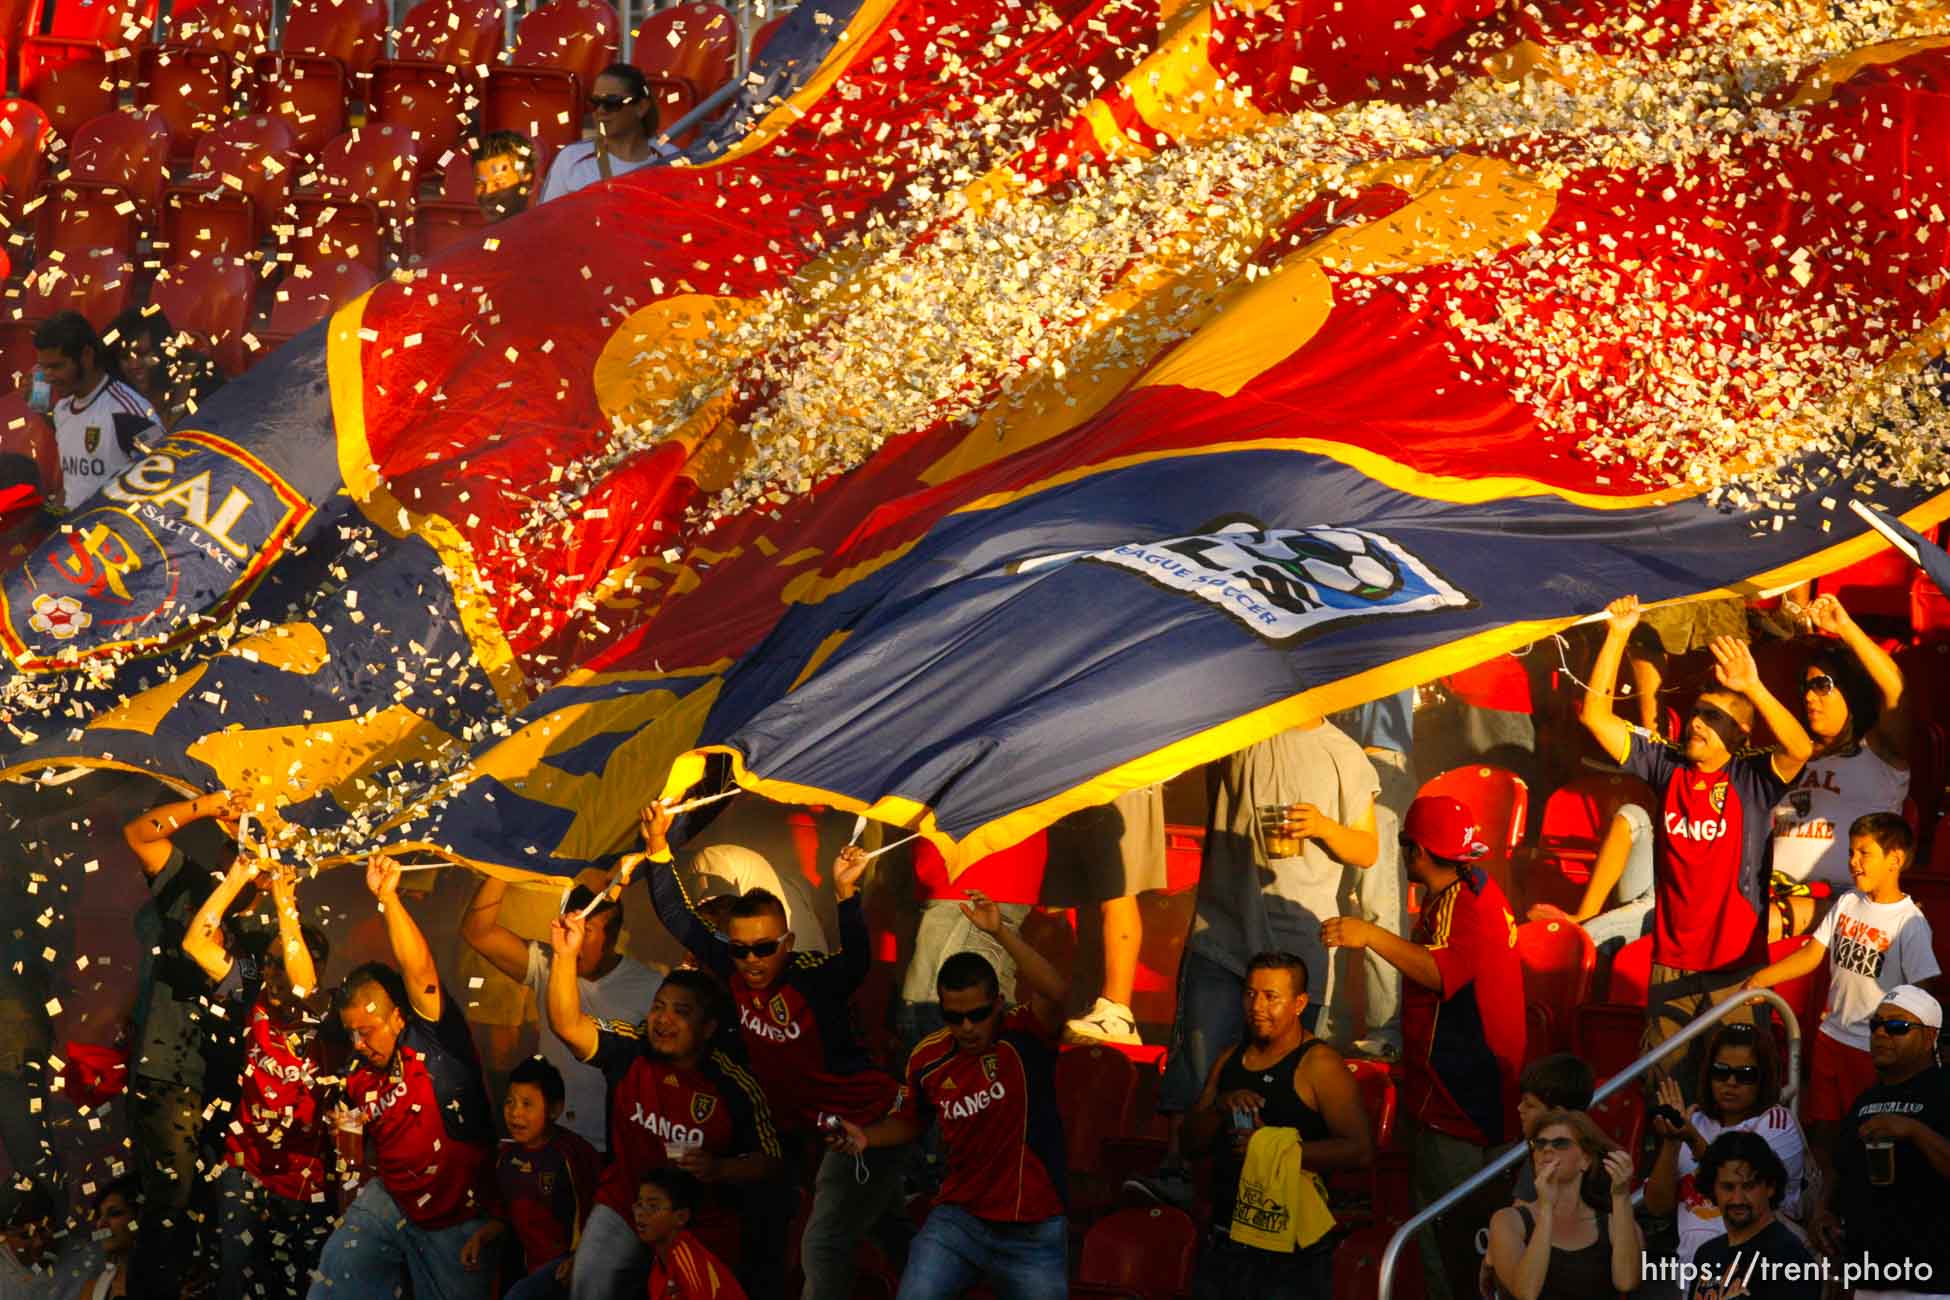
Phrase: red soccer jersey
(1710, 847)
(1463, 1047)
(427, 1121)
(718, 1107)
(1000, 1131)
(277, 1137)
(546, 1193)
(692, 1273)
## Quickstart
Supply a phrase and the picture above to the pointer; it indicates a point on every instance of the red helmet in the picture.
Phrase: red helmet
(1444, 827)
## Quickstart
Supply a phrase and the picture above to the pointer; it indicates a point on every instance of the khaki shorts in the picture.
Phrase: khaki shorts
(1115, 850)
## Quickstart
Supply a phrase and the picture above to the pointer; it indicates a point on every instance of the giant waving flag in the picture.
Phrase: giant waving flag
(1013, 404)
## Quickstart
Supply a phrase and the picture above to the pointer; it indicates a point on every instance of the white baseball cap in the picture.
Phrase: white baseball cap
(1926, 1009)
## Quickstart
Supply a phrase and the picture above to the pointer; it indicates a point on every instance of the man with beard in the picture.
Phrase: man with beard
(676, 1099)
(1280, 1076)
(1759, 1252)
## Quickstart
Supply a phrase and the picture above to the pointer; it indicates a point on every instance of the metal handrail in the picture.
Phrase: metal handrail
(1699, 1025)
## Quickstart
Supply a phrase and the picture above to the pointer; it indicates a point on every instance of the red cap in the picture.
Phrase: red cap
(1444, 827)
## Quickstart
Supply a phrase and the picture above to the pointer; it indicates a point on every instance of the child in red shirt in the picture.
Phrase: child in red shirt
(684, 1270)
(547, 1176)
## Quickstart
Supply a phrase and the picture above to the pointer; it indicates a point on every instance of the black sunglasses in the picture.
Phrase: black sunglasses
(1714, 718)
(763, 948)
(610, 103)
(1552, 1144)
(975, 1017)
(1894, 1026)
(1819, 684)
(1734, 1073)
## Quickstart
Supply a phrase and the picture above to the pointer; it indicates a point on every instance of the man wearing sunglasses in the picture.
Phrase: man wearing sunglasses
(1715, 794)
(1892, 1165)
(797, 1026)
(988, 1080)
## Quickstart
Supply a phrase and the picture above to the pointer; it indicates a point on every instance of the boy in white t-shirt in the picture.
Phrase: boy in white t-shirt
(1875, 939)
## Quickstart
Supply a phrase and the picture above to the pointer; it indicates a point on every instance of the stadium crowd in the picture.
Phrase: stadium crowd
(723, 1129)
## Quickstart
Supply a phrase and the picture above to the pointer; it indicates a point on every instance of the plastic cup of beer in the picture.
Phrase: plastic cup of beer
(1276, 834)
(678, 1150)
(1882, 1161)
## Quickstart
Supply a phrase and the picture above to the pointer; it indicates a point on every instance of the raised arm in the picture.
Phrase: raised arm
(571, 1023)
(1034, 969)
(1890, 736)
(298, 965)
(203, 941)
(505, 950)
(1734, 668)
(1613, 733)
(149, 836)
(409, 945)
(854, 961)
(668, 897)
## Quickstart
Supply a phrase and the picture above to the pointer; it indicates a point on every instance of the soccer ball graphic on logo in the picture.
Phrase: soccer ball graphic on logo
(1339, 559)
(60, 617)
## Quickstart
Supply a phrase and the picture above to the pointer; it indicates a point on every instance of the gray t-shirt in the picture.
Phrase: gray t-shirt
(1248, 903)
(624, 994)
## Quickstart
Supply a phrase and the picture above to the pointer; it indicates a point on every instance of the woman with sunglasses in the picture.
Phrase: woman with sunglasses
(1739, 1090)
(1852, 698)
(625, 113)
(1579, 1239)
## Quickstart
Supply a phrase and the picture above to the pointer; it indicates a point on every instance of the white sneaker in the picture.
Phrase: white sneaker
(1108, 1022)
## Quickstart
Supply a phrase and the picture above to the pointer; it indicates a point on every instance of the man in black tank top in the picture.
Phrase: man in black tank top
(1280, 1076)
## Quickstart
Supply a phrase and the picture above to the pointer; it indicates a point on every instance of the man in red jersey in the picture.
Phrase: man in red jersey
(797, 1025)
(274, 1207)
(675, 1099)
(989, 1081)
(1709, 849)
(429, 1129)
(1462, 1018)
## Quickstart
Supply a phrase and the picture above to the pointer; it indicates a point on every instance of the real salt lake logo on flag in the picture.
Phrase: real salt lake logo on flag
(1284, 584)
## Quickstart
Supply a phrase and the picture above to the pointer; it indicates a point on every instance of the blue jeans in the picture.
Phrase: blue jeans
(375, 1246)
(266, 1242)
(541, 1284)
(610, 1261)
(1019, 1261)
(1210, 1019)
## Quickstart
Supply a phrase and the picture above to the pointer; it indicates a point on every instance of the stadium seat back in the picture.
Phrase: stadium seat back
(97, 283)
(1379, 1098)
(78, 217)
(13, 26)
(306, 92)
(1606, 1035)
(190, 90)
(311, 293)
(1929, 766)
(128, 150)
(23, 157)
(375, 163)
(1357, 1265)
(80, 55)
(1094, 1088)
(239, 28)
(763, 36)
(1621, 1117)
(1631, 973)
(453, 33)
(254, 157)
(1875, 587)
(579, 37)
(1500, 801)
(210, 299)
(694, 42)
(543, 91)
(1148, 1251)
(351, 31)
(1932, 894)
(1929, 610)
(1577, 813)
(1558, 959)
(201, 221)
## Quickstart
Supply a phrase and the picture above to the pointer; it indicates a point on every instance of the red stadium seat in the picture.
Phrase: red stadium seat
(359, 197)
(1558, 867)
(309, 294)
(1929, 610)
(1932, 894)
(1877, 586)
(1929, 761)
(23, 152)
(454, 217)
(97, 283)
(763, 37)
(1557, 961)
(543, 90)
(193, 81)
(1148, 1252)
(1606, 1035)
(1379, 1190)
(126, 151)
(328, 48)
(1094, 1088)
(1357, 1265)
(81, 54)
(1631, 973)
(238, 188)
(18, 357)
(433, 84)
(1622, 1117)
(210, 299)
(1500, 800)
(13, 26)
(687, 52)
